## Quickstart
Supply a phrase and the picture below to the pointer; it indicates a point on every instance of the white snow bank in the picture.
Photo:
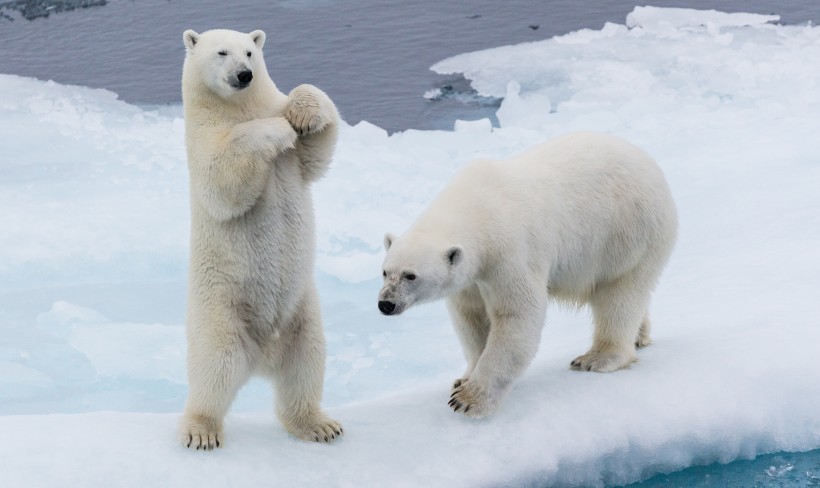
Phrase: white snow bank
(688, 401)
(93, 259)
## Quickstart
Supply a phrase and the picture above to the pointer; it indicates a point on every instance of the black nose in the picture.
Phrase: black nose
(387, 307)
(245, 76)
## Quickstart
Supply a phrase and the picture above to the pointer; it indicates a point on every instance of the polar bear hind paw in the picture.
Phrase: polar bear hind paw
(324, 430)
(201, 433)
(601, 362)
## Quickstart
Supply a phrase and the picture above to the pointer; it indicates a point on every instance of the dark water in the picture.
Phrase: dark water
(372, 57)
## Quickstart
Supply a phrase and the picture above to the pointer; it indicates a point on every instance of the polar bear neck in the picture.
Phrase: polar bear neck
(451, 217)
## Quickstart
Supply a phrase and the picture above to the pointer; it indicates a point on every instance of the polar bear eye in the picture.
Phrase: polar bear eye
(223, 53)
(249, 54)
(410, 276)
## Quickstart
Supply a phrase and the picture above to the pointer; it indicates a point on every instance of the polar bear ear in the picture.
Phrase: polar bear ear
(258, 38)
(190, 38)
(388, 240)
(454, 255)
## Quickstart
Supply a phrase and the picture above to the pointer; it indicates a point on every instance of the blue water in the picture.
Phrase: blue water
(771, 471)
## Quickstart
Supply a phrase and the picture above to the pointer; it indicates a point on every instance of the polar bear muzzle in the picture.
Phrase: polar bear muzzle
(243, 79)
(386, 307)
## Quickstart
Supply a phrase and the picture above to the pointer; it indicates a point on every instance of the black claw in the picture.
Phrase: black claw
(190, 440)
(467, 409)
(316, 437)
(325, 438)
(217, 443)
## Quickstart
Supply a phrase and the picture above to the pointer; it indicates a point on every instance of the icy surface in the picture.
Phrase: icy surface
(94, 256)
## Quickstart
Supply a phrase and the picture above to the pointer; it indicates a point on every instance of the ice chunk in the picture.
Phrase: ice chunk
(655, 19)
(516, 111)
(480, 126)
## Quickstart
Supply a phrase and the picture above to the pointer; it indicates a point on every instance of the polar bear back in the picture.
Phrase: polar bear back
(585, 208)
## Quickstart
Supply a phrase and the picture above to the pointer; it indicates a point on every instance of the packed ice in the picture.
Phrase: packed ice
(93, 262)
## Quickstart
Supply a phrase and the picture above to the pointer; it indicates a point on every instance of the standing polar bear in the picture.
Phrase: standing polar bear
(585, 218)
(253, 153)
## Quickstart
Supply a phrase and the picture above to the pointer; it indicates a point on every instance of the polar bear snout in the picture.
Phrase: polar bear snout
(245, 76)
(386, 307)
(243, 79)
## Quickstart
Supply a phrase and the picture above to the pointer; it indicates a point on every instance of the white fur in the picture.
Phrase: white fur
(586, 218)
(252, 305)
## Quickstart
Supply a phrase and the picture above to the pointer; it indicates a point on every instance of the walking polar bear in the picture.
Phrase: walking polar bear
(253, 153)
(585, 218)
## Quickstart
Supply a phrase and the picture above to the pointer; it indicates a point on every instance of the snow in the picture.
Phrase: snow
(92, 294)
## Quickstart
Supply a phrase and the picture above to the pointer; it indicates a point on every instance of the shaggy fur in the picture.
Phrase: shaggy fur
(585, 218)
(253, 153)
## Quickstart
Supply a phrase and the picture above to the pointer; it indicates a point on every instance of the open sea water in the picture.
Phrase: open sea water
(372, 57)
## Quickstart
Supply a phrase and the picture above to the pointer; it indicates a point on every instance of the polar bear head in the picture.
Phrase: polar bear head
(418, 269)
(223, 61)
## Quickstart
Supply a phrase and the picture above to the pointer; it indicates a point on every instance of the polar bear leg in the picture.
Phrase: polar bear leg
(314, 116)
(472, 324)
(517, 311)
(216, 371)
(297, 370)
(643, 338)
(619, 311)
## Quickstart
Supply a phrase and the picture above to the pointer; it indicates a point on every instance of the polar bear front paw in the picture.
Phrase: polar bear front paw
(471, 399)
(320, 429)
(309, 110)
(199, 432)
(601, 362)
